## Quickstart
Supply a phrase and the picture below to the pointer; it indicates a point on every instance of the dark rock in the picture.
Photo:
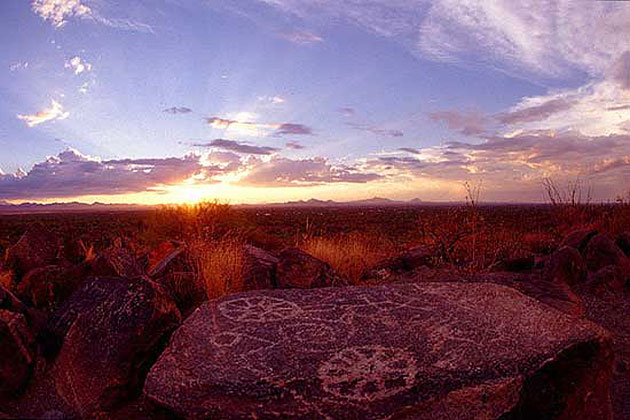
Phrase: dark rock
(623, 242)
(259, 268)
(35, 319)
(516, 264)
(601, 252)
(16, 353)
(116, 261)
(297, 269)
(388, 270)
(111, 328)
(421, 351)
(608, 279)
(578, 239)
(566, 265)
(418, 256)
(47, 287)
(36, 248)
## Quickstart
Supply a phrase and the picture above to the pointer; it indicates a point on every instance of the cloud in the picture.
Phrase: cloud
(510, 166)
(469, 123)
(536, 112)
(620, 71)
(409, 150)
(20, 65)
(274, 100)
(285, 172)
(55, 112)
(290, 128)
(238, 147)
(347, 111)
(303, 37)
(57, 12)
(255, 129)
(178, 110)
(71, 173)
(78, 65)
(294, 145)
(376, 130)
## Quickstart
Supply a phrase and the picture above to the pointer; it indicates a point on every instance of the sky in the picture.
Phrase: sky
(160, 101)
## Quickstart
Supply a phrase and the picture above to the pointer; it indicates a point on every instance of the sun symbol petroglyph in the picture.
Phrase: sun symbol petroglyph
(259, 309)
(368, 373)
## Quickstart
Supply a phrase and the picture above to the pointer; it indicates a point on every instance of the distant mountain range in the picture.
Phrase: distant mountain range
(8, 208)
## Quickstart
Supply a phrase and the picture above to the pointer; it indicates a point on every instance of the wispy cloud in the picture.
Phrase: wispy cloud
(78, 65)
(177, 110)
(55, 112)
(294, 145)
(469, 123)
(376, 130)
(285, 172)
(238, 147)
(256, 129)
(302, 37)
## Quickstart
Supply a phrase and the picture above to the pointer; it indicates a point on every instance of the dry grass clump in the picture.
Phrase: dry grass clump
(218, 265)
(187, 222)
(350, 255)
(6, 279)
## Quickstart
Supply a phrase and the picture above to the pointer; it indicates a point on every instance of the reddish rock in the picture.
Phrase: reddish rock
(35, 319)
(566, 265)
(623, 242)
(578, 239)
(111, 329)
(36, 248)
(117, 261)
(608, 279)
(47, 287)
(418, 256)
(159, 258)
(259, 268)
(421, 351)
(297, 269)
(516, 264)
(601, 252)
(16, 353)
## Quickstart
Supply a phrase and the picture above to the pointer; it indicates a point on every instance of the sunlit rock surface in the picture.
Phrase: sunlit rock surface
(421, 351)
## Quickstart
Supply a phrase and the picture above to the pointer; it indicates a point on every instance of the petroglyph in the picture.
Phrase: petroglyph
(368, 373)
(259, 309)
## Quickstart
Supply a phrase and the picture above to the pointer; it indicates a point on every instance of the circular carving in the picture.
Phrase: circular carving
(258, 309)
(368, 373)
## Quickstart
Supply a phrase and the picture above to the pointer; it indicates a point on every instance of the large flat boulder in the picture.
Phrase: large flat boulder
(405, 351)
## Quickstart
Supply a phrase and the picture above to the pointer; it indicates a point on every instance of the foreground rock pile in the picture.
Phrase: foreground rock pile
(86, 335)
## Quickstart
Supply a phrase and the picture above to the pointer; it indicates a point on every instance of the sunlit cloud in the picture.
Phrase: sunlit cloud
(78, 65)
(251, 128)
(57, 12)
(55, 112)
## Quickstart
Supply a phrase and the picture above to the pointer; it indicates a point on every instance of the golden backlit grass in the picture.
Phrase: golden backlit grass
(218, 265)
(350, 255)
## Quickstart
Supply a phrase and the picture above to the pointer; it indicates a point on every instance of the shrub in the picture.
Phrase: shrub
(218, 265)
(350, 255)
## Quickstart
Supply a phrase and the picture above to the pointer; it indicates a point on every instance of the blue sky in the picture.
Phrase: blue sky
(271, 100)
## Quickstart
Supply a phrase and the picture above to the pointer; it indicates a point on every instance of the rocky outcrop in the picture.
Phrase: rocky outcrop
(47, 287)
(37, 247)
(602, 251)
(578, 239)
(259, 268)
(566, 265)
(421, 351)
(109, 329)
(118, 261)
(17, 353)
(297, 269)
